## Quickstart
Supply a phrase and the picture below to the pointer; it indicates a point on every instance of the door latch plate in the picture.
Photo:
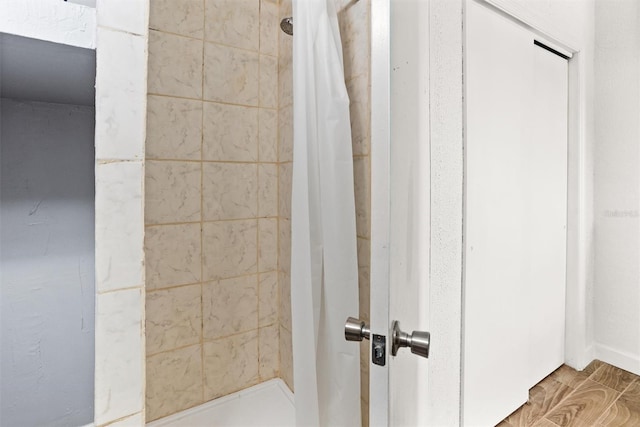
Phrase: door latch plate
(379, 350)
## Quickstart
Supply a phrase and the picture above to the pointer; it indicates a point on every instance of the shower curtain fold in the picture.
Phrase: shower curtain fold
(324, 269)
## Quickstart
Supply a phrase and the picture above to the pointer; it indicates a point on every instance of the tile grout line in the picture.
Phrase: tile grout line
(202, 255)
(236, 162)
(208, 101)
(210, 340)
(278, 172)
(125, 288)
(258, 192)
(203, 39)
(204, 282)
(206, 221)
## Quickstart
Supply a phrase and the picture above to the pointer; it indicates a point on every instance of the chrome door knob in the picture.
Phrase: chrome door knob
(356, 329)
(418, 341)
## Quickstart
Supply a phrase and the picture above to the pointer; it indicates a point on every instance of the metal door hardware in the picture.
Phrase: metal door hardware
(418, 341)
(356, 329)
(379, 349)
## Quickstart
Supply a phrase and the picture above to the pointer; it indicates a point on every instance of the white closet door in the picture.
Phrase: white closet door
(499, 72)
(515, 213)
(546, 213)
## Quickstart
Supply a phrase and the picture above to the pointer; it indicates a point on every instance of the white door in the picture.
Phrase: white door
(400, 207)
(515, 215)
(520, 168)
(547, 215)
(409, 199)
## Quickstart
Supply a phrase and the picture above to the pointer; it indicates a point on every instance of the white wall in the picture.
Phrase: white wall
(51, 20)
(118, 29)
(121, 95)
(446, 147)
(47, 264)
(617, 183)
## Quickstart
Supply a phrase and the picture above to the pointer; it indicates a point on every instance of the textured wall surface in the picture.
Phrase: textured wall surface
(617, 183)
(58, 22)
(47, 264)
(211, 201)
(121, 76)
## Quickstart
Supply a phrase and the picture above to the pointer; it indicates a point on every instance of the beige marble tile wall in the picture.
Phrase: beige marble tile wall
(211, 213)
(354, 19)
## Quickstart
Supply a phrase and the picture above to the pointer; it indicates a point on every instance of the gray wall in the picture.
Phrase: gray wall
(46, 264)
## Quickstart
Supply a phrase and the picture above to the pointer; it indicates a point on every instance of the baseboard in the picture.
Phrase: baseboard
(590, 355)
(628, 362)
(582, 360)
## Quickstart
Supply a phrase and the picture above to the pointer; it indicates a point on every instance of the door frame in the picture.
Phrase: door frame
(380, 204)
(447, 141)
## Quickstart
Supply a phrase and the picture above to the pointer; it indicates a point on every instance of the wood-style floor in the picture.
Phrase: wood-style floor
(599, 396)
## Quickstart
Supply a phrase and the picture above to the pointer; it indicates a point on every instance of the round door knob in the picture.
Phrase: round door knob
(418, 341)
(355, 329)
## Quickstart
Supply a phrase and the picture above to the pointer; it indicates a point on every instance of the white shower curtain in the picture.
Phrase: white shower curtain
(324, 270)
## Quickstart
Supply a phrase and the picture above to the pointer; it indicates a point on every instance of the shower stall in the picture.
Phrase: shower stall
(218, 213)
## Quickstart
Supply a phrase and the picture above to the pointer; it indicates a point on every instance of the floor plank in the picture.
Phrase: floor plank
(543, 397)
(625, 411)
(593, 367)
(599, 396)
(613, 377)
(584, 406)
(569, 376)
